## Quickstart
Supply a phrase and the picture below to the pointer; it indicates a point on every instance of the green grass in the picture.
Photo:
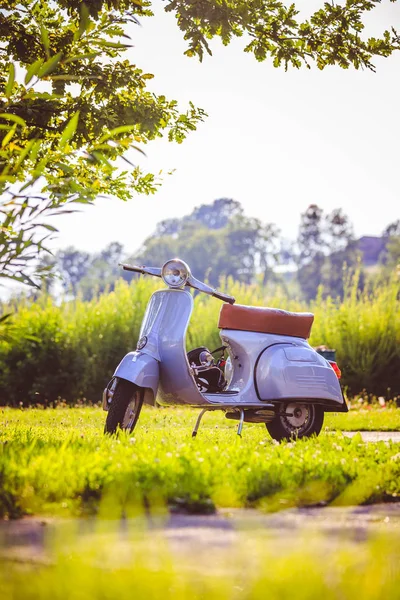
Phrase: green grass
(365, 419)
(59, 462)
(125, 567)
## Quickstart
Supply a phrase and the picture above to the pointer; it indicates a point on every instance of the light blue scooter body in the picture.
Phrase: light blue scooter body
(141, 369)
(278, 368)
(265, 367)
(163, 334)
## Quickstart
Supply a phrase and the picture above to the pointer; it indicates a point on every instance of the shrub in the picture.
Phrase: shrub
(70, 350)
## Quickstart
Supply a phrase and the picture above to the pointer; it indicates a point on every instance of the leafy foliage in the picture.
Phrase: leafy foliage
(332, 35)
(70, 108)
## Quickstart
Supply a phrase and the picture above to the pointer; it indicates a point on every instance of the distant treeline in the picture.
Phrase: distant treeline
(219, 240)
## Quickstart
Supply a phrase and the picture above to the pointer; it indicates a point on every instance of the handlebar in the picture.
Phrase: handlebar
(224, 297)
(143, 270)
(191, 282)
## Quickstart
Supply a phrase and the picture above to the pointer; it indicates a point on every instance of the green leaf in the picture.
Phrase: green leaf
(4, 318)
(7, 179)
(11, 79)
(85, 18)
(34, 150)
(81, 57)
(44, 34)
(101, 159)
(29, 183)
(116, 131)
(107, 44)
(65, 168)
(66, 78)
(8, 137)
(69, 130)
(48, 227)
(49, 65)
(33, 69)
(23, 154)
(15, 118)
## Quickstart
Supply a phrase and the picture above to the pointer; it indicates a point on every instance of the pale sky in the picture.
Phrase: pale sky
(274, 140)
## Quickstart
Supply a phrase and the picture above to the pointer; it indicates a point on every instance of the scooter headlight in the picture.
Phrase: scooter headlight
(175, 273)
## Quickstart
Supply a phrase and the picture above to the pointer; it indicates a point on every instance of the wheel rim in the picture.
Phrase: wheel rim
(301, 417)
(130, 415)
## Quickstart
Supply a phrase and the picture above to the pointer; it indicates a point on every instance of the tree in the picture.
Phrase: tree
(342, 254)
(211, 216)
(71, 106)
(332, 35)
(73, 265)
(325, 245)
(103, 272)
(393, 229)
(218, 214)
(87, 274)
(390, 258)
(310, 238)
(67, 120)
(216, 240)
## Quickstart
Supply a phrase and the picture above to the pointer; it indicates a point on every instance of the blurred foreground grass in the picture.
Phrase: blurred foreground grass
(116, 563)
(59, 462)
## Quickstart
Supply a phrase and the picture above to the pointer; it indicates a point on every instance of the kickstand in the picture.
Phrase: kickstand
(240, 424)
(196, 427)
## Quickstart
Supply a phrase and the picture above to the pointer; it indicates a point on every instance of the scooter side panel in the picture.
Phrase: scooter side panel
(141, 369)
(286, 372)
(244, 349)
(177, 383)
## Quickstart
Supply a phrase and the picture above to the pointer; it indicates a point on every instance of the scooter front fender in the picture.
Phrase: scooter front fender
(142, 370)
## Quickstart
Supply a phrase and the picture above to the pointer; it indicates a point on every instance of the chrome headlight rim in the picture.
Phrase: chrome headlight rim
(183, 273)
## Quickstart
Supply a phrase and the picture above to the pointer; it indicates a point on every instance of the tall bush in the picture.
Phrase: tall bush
(71, 350)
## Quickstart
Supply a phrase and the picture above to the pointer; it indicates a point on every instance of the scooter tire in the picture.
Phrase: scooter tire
(125, 393)
(278, 429)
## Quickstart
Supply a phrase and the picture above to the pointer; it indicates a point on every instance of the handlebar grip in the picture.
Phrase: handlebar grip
(224, 297)
(133, 268)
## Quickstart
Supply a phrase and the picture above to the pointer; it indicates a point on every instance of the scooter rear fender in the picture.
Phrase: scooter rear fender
(142, 370)
(285, 372)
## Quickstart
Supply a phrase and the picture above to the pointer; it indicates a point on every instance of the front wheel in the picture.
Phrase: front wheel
(125, 407)
(296, 421)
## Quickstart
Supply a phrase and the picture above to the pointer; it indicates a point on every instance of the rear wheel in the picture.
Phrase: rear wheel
(297, 421)
(125, 407)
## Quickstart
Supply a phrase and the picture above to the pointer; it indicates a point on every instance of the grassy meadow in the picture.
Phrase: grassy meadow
(58, 462)
(69, 351)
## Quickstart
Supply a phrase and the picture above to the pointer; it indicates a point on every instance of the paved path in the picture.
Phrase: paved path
(375, 436)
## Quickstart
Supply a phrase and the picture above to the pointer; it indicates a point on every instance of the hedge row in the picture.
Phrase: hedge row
(69, 351)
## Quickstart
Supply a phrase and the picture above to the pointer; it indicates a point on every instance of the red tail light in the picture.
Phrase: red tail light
(335, 368)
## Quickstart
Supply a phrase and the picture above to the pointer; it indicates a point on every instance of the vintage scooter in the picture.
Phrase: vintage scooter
(271, 375)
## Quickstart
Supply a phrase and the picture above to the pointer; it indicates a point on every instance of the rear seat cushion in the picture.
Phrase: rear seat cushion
(265, 320)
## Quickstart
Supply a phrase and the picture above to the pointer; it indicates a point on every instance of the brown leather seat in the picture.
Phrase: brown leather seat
(265, 320)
